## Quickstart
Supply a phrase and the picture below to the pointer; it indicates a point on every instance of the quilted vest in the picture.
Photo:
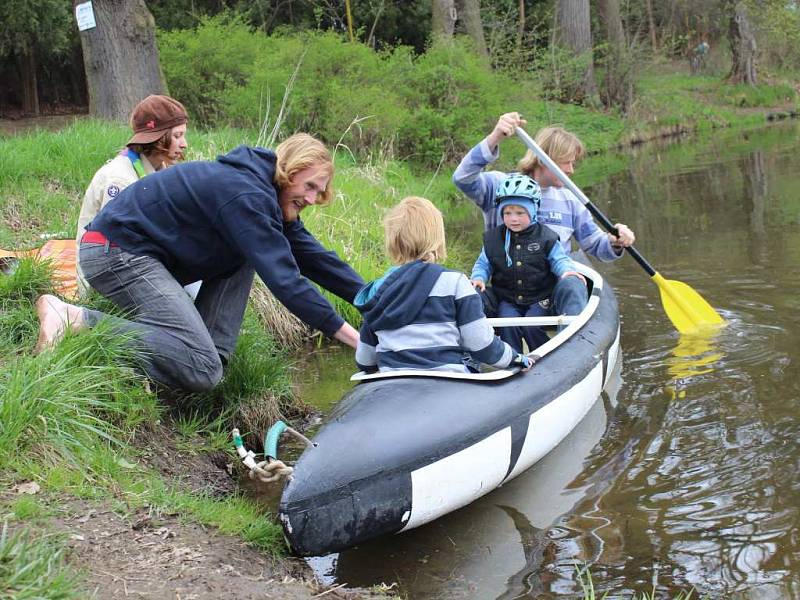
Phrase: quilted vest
(529, 278)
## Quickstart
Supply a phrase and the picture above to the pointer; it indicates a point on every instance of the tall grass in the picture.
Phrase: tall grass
(34, 568)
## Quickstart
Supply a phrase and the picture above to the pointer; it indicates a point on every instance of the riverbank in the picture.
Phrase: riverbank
(94, 464)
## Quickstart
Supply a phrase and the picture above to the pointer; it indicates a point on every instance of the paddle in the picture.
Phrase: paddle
(687, 309)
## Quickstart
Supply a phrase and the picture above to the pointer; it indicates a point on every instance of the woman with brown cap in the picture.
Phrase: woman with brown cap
(159, 141)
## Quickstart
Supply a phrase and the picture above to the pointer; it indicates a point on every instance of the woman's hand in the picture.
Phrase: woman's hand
(624, 238)
(347, 334)
(506, 127)
(478, 284)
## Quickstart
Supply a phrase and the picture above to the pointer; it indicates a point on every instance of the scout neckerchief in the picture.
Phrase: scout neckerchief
(136, 161)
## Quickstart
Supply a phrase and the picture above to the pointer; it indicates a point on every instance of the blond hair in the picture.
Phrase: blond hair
(301, 151)
(558, 143)
(415, 231)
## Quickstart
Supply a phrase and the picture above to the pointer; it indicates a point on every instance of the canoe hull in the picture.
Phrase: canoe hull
(398, 453)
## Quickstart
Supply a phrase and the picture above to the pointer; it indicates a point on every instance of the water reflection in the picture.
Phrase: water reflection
(695, 354)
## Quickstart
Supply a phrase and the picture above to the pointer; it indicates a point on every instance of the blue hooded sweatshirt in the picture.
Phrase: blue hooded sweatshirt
(206, 219)
(423, 316)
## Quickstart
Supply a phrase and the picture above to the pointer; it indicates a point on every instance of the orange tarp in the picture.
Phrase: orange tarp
(63, 255)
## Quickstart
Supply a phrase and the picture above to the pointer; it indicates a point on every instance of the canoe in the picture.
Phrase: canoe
(406, 447)
(490, 548)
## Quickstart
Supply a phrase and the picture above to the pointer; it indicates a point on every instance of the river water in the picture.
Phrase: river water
(686, 473)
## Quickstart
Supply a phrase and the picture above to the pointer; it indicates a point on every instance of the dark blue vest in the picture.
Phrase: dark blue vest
(529, 278)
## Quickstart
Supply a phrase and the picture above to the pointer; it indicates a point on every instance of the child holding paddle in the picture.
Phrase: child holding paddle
(560, 209)
(531, 275)
(419, 315)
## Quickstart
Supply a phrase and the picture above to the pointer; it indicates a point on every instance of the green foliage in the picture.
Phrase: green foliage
(18, 292)
(778, 25)
(58, 406)
(34, 24)
(560, 73)
(758, 95)
(205, 65)
(428, 108)
(34, 568)
(425, 108)
(26, 507)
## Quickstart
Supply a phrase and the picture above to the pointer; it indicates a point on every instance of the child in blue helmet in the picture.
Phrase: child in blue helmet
(530, 273)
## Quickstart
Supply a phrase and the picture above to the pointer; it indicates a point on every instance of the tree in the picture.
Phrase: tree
(30, 29)
(742, 40)
(468, 13)
(443, 18)
(618, 79)
(651, 25)
(573, 34)
(120, 58)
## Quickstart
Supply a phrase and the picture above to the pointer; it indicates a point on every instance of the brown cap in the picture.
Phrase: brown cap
(154, 116)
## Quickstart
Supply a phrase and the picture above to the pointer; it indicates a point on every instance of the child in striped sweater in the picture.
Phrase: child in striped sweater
(419, 315)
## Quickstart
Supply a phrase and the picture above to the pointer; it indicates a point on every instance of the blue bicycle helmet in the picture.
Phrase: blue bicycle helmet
(519, 190)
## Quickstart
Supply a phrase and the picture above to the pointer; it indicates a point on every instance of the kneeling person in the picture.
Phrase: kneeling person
(531, 275)
(419, 315)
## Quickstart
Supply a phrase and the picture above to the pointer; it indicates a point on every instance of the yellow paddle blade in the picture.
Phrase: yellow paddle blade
(687, 309)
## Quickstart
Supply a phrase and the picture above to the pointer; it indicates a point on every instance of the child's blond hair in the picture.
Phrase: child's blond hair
(415, 231)
(558, 143)
(302, 151)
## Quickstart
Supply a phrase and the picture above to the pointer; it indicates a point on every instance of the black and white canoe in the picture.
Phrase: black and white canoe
(406, 447)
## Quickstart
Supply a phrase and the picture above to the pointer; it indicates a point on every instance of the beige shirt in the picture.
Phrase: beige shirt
(107, 183)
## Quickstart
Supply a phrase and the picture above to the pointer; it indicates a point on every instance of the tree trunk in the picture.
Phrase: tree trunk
(26, 63)
(743, 45)
(652, 24)
(443, 19)
(618, 80)
(521, 25)
(469, 15)
(572, 32)
(120, 58)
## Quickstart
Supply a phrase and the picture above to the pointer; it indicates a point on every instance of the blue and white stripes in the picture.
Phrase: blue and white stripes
(442, 323)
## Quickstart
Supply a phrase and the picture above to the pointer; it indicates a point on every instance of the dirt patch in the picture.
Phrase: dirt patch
(157, 556)
(154, 555)
(213, 473)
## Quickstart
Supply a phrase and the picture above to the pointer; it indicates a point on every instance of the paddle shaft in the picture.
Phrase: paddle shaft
(607, 225)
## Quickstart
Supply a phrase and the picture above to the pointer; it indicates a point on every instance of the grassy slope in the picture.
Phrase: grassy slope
(65, 417)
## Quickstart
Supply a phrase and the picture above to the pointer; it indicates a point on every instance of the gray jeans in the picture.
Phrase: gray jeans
(183, 343)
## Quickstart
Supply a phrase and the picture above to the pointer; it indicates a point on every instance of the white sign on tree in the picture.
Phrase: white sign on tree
(84, 15)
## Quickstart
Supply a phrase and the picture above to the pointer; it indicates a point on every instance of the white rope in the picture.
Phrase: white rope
(267, 471)
(270, 471)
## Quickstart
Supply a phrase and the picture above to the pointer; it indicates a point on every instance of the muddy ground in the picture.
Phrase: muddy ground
(153, 555)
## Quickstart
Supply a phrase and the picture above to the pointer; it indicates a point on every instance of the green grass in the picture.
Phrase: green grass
(673, 99)
(34, 568)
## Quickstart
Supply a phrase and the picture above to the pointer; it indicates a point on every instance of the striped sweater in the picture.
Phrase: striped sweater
(423, 316)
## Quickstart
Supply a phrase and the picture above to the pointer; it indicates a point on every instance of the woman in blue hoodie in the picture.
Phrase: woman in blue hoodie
(219, 222)
(420, 315)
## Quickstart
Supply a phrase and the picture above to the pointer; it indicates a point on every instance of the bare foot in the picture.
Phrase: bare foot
(55, 317)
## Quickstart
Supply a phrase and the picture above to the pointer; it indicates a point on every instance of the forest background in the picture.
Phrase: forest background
(400, 89)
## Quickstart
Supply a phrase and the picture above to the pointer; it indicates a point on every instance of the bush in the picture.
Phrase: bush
(204, 65)
(422, 107)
